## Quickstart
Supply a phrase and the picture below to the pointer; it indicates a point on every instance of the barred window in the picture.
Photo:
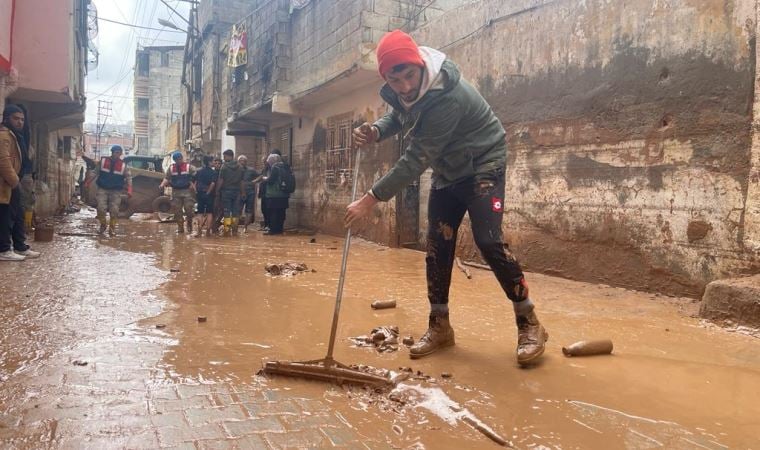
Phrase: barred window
(338, 150)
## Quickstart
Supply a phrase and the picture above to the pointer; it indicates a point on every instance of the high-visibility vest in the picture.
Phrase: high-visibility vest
(180, 175)
(111, 176)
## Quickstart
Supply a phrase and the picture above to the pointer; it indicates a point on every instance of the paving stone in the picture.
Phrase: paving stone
(203, 416)
(340, 436)
(189, 390)
(250, 397)
(163, 406)
(169, 419)
(297, 439)
(273, 408)
(252, 442)
(311, 421)
(169, 436)
(253, 426)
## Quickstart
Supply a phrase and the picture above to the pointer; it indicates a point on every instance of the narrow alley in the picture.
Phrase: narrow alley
(102, 348)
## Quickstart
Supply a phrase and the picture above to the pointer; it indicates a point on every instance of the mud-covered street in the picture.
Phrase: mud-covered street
(102, 348)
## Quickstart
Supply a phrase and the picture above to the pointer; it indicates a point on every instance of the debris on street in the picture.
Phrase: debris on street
(289, 268)
(588, 348)
(384, 339)
(383, 304)
(462, 267)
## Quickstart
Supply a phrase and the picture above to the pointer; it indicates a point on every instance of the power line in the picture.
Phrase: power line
(139, 26)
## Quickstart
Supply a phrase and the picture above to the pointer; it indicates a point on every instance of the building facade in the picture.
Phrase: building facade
(633, 158)
(30, 44)
(157, 91)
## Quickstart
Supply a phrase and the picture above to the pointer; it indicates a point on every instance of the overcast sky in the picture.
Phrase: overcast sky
(112, 80)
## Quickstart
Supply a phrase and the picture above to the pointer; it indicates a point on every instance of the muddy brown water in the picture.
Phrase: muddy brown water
(672, 382)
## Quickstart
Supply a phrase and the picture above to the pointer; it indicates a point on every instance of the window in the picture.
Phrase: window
(143, 105)
(164, 59)
(338, 150)
(143, 64)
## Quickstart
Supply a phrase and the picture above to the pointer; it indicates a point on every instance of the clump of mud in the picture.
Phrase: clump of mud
(286, 269)
(384, 339)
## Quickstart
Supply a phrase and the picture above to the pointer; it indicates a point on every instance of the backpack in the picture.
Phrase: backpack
(287, 179)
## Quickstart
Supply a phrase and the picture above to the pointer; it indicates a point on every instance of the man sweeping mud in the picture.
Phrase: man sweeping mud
(447, 125)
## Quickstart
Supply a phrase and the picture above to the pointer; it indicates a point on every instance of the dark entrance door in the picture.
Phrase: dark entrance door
(408, 213)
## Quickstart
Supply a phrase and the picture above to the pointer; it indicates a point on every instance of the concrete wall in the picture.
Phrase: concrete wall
(6, 25)
(43, 41)
(322, 205)
(629, 131)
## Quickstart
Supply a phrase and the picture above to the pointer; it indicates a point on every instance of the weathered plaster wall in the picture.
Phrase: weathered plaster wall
(324, 205)
(629, 131)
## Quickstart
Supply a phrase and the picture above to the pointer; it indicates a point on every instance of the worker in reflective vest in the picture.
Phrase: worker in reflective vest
(181, 177)
(111, 176)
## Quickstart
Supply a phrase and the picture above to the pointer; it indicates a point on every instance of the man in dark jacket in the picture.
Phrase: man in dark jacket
(276, 198)
(205, 181)
(447, 125)
(248, 200)
(15, 164)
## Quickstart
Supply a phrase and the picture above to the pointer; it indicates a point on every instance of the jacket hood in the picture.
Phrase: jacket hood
(449, 76)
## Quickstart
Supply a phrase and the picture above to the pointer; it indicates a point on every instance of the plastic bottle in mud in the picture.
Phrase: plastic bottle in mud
(383, 304)
(588, 348)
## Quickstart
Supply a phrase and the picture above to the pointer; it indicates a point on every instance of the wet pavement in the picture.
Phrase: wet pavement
(102, 348)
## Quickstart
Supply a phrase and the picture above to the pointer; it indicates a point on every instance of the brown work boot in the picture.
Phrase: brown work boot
(531, 338)
(439, 335)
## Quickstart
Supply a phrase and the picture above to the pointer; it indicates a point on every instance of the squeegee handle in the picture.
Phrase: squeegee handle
(344, 262)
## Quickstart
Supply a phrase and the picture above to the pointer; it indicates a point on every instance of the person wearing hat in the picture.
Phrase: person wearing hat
(447, 125)
(181, 177)
(111, 177)
(14, 165)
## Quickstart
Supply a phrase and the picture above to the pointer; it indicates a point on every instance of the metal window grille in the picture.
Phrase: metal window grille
(338, 151)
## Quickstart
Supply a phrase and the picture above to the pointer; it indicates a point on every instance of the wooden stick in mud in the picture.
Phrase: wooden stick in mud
(463, 268)
(478, 265)
(487, 432)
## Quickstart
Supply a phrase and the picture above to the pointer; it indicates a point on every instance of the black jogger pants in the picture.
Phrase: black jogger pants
(482, 197)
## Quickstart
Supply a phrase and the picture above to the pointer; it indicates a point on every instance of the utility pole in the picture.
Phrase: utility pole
(104, 113)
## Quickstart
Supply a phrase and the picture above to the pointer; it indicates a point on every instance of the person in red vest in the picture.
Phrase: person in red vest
(111, 176)
(181, 177)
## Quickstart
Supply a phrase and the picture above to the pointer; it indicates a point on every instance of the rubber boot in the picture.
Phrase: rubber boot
(227, 225)
(28, 215)
(112, 227)
(531, 338)
(439, 335)
(103, 224)
(180, 225)
(234, 226)
(189, 224)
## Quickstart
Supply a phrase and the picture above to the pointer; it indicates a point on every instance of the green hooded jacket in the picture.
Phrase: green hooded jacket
(453, 130)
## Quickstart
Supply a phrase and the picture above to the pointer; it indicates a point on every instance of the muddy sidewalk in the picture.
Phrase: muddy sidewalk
(156, 376)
